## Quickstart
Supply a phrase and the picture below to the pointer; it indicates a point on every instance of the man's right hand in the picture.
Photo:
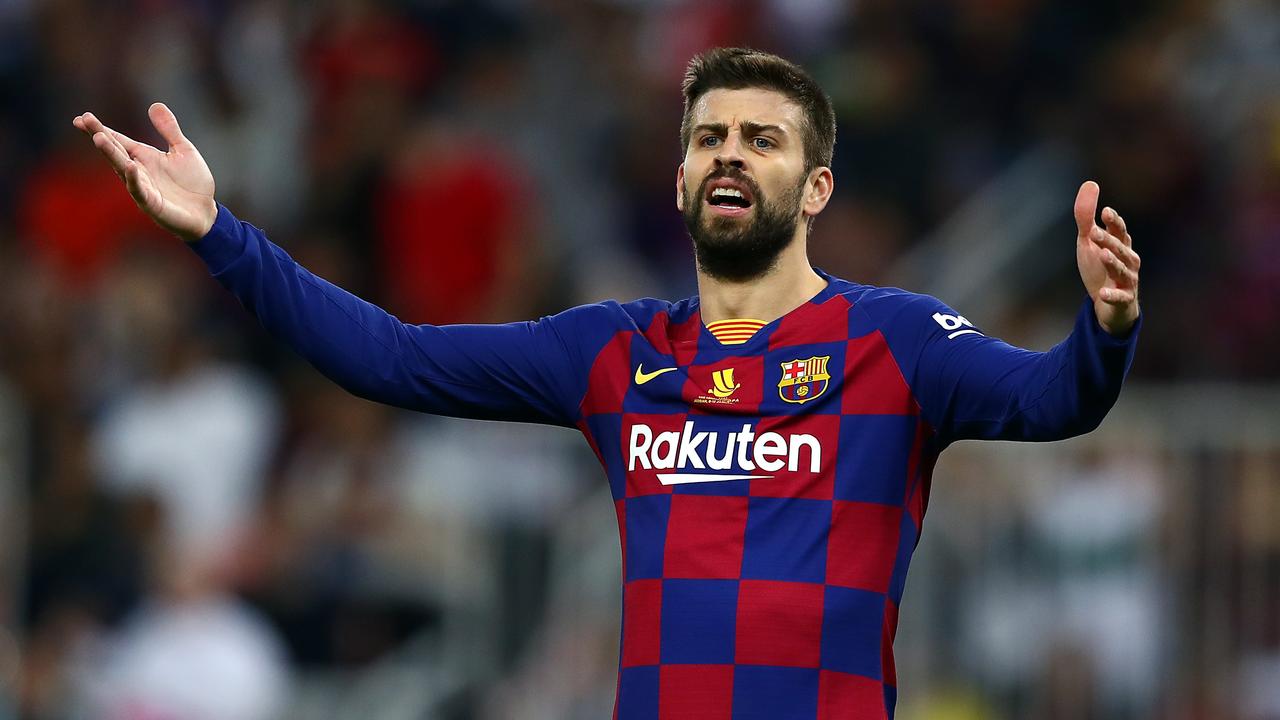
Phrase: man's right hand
(175, 188)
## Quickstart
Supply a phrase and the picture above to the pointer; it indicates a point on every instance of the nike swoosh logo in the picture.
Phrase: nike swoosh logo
(643, 377)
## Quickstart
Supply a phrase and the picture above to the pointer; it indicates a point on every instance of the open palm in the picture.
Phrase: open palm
(1108, 265)
(174, 187)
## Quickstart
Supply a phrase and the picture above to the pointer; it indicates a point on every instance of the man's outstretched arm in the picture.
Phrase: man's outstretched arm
(519, 371)
(969, 385)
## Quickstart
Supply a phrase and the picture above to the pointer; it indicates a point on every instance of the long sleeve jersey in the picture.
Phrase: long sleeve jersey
(769, 495)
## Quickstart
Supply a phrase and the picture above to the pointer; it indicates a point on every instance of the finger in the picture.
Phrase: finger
(1108, 241)
(114, 140)
(131, 146)
(1086, 206)
(165, 123)
(87, 123)
(114, 153)
(136, 150)
(90, 124)
(1118, 271)
(1117, 296)
(1116, 226)
(140, 186)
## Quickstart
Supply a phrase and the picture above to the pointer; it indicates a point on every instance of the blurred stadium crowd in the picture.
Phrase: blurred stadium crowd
(196, 526)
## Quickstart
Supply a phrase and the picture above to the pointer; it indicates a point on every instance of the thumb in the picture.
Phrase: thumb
(1086, 208)
(166, 123)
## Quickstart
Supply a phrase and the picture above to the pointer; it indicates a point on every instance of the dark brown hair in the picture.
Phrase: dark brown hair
(740, 68)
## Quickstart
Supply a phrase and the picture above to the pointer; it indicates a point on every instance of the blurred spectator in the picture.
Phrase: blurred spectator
(1091, 595)
(188, 651)
(366, 66)
(455, 243)
(86, 547)
(1091, 526)
(194, 432)
(207, 659)
(230, 70)
(321, 560)
(76, 220)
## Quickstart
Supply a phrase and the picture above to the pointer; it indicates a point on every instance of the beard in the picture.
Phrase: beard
(735, 249)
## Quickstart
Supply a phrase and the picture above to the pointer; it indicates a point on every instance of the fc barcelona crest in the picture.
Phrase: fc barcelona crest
(804, 380)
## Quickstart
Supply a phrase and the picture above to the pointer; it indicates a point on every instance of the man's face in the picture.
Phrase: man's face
(742, 184)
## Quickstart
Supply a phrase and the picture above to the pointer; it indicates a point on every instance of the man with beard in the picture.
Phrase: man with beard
(769, 443)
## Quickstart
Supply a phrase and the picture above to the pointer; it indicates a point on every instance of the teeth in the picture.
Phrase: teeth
(729, 192)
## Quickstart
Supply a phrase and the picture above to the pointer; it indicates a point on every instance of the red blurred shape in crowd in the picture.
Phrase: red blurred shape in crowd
(448, 228)
(74, 218)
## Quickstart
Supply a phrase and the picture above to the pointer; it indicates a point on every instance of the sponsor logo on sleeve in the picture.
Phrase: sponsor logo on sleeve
(955, 325)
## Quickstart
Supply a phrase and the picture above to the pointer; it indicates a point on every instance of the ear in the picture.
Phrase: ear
(680, 187)
(818, 190)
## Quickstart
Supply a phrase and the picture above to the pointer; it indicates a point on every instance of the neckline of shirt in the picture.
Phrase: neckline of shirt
(826, 293)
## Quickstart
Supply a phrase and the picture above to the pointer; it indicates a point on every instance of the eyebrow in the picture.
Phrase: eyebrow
(748, 128)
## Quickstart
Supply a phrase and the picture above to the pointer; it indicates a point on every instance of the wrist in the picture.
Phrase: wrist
(1117, 322)
(205, 217)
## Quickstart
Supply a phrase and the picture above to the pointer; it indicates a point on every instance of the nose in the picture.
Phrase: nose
(731, 152)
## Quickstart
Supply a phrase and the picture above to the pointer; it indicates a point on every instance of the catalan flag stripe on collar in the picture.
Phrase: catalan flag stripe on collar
(735, 331)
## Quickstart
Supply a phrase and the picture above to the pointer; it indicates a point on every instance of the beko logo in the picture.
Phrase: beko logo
(957, 323)
(743, 451)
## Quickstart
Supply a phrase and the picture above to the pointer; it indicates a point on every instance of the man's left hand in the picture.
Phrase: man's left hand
(1108, 264)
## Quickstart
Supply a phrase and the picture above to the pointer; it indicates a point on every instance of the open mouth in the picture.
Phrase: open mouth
(728, 197)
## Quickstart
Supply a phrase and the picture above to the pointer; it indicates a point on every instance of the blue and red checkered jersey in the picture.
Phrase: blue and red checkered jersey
(769, 494)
